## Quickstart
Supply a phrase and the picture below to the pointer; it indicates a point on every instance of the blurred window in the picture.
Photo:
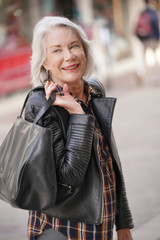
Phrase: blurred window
(114, 28)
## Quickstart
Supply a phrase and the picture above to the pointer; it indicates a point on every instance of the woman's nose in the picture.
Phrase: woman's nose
(68, 55)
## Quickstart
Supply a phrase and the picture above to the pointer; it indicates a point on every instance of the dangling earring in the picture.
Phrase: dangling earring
(48, 76)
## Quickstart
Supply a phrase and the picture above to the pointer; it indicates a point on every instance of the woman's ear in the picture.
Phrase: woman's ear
(45, 66)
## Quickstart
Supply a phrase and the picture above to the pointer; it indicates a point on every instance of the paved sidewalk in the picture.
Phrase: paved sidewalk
(137, 131)
(149, 231)
(136, 128)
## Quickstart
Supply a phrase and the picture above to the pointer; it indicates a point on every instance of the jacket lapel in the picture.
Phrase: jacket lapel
(103, 109)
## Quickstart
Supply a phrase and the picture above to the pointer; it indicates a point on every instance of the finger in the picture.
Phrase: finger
(52, 86)
(46, 85)
(65, 89)
(46, 89)
(49, 88)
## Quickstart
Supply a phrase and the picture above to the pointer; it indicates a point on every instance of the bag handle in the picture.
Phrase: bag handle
(44, 108)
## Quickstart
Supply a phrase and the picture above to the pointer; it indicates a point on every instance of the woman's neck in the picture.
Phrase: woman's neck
(78, 90)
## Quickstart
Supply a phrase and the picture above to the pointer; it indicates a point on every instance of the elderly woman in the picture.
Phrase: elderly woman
(91, 194)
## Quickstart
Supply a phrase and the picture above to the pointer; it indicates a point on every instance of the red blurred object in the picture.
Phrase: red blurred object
(14, 69)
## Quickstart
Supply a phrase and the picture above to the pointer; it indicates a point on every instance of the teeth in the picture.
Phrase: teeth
(69, 68)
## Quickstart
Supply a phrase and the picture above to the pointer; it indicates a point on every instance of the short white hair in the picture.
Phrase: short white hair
(38, 72)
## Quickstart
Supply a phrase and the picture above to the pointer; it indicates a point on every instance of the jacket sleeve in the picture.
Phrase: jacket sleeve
(71, 152)
(78, 147)
(123, 214)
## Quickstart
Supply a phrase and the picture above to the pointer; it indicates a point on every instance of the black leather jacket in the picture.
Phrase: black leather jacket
(80, 184)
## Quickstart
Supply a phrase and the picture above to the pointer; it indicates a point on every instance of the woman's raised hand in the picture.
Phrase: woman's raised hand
(66, 101)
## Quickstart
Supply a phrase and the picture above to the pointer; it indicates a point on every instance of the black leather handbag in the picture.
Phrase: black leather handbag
(27, 166)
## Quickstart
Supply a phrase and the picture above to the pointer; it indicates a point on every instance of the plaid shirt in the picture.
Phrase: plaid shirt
(38, 221)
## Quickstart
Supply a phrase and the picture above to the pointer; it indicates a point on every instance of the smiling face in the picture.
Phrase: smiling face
(65, 56)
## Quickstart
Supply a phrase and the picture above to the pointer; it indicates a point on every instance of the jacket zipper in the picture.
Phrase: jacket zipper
(67, 186)
(96, 149)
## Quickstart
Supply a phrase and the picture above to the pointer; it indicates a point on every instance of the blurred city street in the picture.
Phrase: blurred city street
(129, 71)
(137, 131)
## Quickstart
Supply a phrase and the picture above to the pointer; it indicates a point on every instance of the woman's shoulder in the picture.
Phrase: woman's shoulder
(96, 85)
(37, 96)
(36, 99)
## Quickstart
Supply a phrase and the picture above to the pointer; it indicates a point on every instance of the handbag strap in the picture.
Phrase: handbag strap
(44, 108)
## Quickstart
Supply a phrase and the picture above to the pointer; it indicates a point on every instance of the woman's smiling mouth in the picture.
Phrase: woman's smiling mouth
(71, 67)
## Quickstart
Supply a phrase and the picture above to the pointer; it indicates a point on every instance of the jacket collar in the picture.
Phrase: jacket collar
(103, 108)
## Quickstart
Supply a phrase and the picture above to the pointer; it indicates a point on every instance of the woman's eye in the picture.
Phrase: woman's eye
(74, 46)
(56, 50)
